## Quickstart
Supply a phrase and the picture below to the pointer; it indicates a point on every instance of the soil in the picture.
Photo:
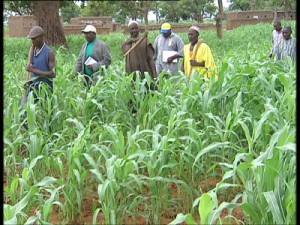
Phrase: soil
(206, 185)
(91, 202)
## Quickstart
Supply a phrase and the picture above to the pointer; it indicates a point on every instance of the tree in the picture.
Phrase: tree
(99, 8)
(156, 9)
(242, 5)
(19, 7)
(197, 9)
(46, 14)
(54, 32)
(69, 10)
(219, 18)
(171, 11)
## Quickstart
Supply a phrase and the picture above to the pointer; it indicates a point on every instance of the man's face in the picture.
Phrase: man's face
(277, 27)
(134, 30)
(167, 34)
(37, 40)
(193, 35)
(90, 36)
(286, 33)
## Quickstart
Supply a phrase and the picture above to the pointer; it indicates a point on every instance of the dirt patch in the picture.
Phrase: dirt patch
(91, 203)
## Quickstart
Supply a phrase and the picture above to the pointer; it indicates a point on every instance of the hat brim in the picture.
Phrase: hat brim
(34, 36)
(87, 31)
(164, 31)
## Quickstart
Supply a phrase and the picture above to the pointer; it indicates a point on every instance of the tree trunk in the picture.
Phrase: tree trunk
(219, 18)
(287, 8)
(47, 17)
(146, 18)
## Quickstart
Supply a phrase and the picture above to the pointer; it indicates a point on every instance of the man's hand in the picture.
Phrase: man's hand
(170, 59)
(193, 62)
(90, 67)
(27, 84)
(30, 68)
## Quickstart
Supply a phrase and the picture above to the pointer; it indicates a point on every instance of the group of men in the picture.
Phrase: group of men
(284, 44)
(164, 55)
(140, 55)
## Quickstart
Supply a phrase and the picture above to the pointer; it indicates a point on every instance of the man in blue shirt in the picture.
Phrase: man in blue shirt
(168, 48)
(40, 68)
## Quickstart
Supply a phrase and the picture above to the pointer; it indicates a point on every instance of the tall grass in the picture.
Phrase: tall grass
(239, 129)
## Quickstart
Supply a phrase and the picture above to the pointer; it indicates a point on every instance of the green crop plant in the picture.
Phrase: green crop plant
(227, 142)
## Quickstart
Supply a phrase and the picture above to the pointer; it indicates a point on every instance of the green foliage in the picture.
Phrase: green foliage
(69, 10)
(19, 7)
(239, 128)
(275, 5)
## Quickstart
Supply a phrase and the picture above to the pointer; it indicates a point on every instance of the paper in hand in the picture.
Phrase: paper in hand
(90, 61)
(167, 54)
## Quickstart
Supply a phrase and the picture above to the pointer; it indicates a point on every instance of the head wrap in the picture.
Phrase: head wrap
(195, 28)
(132, 22)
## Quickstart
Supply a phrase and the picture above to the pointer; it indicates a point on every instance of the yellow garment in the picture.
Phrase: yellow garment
(203, 55)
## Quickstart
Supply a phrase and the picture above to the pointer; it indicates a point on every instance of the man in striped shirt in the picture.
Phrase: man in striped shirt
(276, 35)
(287, 46)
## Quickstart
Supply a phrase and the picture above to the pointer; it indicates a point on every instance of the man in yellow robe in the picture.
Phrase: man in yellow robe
(198, 56)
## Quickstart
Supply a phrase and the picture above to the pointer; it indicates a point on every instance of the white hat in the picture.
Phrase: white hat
(132, 22)
(195, 28)
(89, 28)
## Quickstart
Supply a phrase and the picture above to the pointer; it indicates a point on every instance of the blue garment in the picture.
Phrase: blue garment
(171, 43)
(41, 62)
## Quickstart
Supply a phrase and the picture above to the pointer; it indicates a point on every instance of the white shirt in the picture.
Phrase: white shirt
(277, 36)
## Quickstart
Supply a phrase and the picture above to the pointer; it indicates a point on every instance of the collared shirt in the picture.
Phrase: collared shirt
(171, 43)
(286, 48)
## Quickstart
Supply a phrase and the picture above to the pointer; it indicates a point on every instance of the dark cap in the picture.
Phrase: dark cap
(35, 32)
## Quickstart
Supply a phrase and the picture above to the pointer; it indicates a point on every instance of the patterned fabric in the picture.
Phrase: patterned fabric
(286, 48)
(277, 36)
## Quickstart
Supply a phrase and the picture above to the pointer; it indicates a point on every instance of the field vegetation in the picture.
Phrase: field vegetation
(86, 153)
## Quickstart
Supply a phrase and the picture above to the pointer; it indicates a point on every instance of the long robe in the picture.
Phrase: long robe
(203, 54)
(140, 58)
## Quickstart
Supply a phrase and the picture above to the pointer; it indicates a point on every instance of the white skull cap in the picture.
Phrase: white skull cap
(132, 22)
(195, 28)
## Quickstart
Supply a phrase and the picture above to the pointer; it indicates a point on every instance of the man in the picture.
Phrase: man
(198, 56)
(93, 57)
(286, 46)
(40, 67)
(276, 35)
(139, 53)
(168, 48)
